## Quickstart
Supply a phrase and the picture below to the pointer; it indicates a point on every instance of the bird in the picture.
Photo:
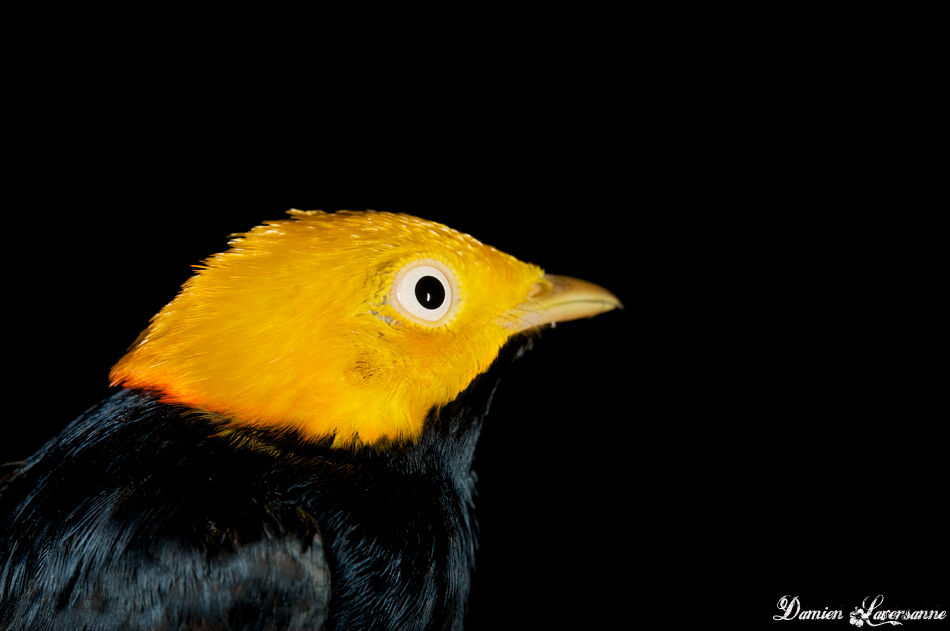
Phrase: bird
(289, 443)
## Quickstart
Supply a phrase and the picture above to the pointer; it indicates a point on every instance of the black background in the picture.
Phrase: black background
(765, 417)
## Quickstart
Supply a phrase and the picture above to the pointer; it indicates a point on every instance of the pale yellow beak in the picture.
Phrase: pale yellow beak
(558, 299)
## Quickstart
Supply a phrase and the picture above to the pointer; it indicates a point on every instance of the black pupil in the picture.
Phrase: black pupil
(429, 292)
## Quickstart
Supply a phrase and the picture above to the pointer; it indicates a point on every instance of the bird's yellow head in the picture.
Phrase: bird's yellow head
(349, 324)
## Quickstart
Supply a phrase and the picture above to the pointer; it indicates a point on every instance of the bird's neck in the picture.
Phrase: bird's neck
(446, 446)
(451, 432)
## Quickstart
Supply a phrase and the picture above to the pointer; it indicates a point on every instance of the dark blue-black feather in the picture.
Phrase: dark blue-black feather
(144, 515)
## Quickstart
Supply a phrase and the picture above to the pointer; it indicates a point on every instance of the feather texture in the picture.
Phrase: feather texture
(146, 515)
(294, 326)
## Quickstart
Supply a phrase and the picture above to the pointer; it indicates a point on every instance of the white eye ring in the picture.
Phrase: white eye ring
(425, 292)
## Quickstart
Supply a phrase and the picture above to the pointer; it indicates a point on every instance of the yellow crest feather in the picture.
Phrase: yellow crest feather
(293, 326)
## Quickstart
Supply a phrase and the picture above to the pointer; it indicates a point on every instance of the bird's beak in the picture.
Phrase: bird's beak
(560, 298)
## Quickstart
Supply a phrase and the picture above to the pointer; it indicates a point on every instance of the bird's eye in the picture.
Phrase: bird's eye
(425, 292)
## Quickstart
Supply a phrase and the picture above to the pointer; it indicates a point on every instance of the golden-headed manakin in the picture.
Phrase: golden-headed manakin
(290, 442)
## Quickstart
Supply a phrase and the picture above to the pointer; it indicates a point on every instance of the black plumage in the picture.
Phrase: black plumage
(144, 515)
